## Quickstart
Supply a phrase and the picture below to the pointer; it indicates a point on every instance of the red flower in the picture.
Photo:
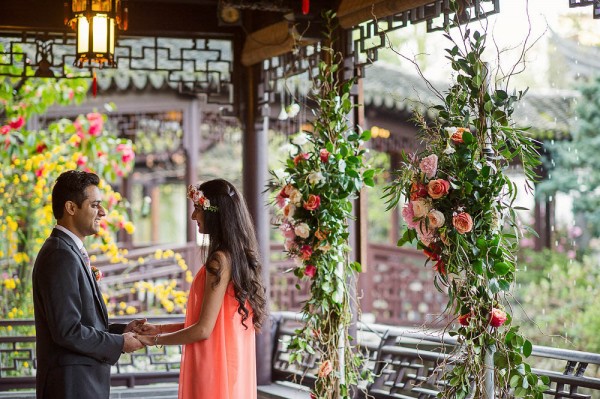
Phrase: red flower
(417, 190)
(306, 252)
(324, 155)
(82, 160)
(440, 267)
(301, 157)
(127, 153)
(17, 123)
(310, 271)
(497, 318)
(313, 202)
(4, 130)
(40, 171)
(464, 319)
(96, 122)
(41, 148)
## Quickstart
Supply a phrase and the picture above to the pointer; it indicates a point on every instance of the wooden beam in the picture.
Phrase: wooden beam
(271, 41)
(353, 12)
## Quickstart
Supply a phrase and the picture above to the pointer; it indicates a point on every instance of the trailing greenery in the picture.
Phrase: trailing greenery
(459, 207)
(314, 196)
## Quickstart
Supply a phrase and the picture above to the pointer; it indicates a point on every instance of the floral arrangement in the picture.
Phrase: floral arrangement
(313, 197)
(32, 160)
(458, 207)
(197, 196)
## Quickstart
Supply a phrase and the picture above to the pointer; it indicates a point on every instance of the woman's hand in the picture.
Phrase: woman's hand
(147, 329)
(147, 340)
(134, 325)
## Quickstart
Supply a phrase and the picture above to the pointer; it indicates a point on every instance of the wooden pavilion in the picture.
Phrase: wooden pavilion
(232, 58)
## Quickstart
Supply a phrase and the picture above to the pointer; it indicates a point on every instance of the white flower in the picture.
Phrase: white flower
(449, 149)
(281, 175)
(450, 131)
(302, 230)
(315, 178)
(288, 148)
(421, 207)
(300, 139)
(296, 197)
(292, 110)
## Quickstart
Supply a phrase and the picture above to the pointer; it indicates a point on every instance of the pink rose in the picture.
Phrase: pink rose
(438, 188)
(497, 318)
(127, 154)
(4, 130)
(324, 155)
(17, 123)
(310, 271)
(313, 202)
(428, 165)
(96, 123)
(306, 252)
(462, 222)
(409, 215)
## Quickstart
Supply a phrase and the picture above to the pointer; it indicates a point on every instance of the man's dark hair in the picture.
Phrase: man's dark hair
(70, 186)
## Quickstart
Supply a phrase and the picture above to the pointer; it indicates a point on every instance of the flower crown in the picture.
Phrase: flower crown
(198, 198)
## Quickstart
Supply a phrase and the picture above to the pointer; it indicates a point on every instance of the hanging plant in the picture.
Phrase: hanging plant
(314, 194)
(458, 204)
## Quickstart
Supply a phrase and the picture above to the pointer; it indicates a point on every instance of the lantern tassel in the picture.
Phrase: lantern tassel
(305, 7)
(94, 84)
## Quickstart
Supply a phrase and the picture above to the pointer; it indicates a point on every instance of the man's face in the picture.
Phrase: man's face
(87, 218)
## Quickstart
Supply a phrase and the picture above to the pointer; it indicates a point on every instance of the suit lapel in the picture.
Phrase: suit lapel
(92, 281)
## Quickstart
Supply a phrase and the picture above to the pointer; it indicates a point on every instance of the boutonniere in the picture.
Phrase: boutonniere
(97, 273)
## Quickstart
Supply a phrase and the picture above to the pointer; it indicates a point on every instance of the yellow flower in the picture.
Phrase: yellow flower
(131, 310)
(141, 260)
(11, 315)
(129, 227)
(25, 364)
(8, 328)
(122, 305)
(158, 254)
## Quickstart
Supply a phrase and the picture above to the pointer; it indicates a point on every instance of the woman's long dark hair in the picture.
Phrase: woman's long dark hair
(231, 231)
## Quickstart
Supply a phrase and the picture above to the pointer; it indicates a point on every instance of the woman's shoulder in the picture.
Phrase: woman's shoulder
(219, 260)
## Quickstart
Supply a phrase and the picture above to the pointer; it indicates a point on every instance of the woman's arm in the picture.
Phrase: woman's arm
(211, 306)
(153, 329)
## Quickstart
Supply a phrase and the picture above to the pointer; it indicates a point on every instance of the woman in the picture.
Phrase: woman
(226, 302)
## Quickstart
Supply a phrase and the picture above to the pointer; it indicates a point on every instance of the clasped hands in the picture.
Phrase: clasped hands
(138, 334)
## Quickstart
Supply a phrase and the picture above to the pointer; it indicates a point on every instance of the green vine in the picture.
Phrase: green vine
(459, 208)
(314, 197)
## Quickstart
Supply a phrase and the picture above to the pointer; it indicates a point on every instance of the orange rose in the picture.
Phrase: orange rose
(457, 136)
(325, 368)
(438, 188)
(321, 235)
(462, 222)
(313, 202)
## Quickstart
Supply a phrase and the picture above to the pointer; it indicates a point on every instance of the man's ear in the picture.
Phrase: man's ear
(70, 207)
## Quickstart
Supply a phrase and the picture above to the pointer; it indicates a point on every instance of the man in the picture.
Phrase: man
(75, 344)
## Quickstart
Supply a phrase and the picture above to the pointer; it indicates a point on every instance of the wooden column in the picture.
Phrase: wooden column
(395, 213)
(255, 172)
(191, 138)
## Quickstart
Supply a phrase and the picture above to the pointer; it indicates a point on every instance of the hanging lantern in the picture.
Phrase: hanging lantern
(96, 23)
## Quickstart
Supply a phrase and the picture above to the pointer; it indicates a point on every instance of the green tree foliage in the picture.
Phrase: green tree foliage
(574, 166)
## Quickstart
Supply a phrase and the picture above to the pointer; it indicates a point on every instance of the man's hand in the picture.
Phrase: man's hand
(134, 325)
(147, 329)
(131, 343)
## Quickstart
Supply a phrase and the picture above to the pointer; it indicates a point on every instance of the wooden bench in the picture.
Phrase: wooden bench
(406, 364)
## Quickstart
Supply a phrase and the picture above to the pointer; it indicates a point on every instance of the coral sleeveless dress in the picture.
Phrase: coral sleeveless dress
(224, 365)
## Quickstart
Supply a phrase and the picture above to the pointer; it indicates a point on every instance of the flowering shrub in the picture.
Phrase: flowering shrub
(313, 197)
(458, 205)
(31, 160)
